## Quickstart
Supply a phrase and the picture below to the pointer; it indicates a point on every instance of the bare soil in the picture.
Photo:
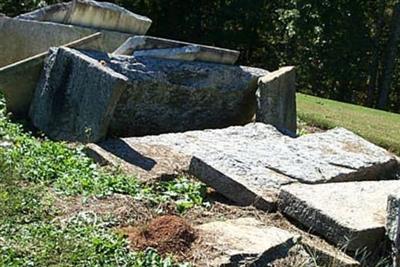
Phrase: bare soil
(168, 234)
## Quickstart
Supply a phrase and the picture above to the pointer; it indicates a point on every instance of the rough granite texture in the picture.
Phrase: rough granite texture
(75, 97)
(276, 99)
(248, 164)
(246, 242)
(166, 48)
(89, 13)
(348, 214)
(393, 224)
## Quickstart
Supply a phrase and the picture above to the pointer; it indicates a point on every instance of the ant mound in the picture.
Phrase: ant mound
(167, 234)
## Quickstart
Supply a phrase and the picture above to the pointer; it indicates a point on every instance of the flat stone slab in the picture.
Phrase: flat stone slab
(172, 49)
(393, 225)
(249, 164)
(246, 242)
(350, 214)
(89, 13)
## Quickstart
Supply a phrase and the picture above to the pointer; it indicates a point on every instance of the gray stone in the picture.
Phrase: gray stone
(19, 94)
(174, 96)
(88, 13)
(249, 164)
(328, 257)
(148, 162)
(26, 38)
(351, 215)
(276, 99)
(393, 225)
(246, 242)
(75, 97)
(171, 49)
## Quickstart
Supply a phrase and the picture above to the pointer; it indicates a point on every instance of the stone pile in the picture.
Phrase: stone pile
(83, 71)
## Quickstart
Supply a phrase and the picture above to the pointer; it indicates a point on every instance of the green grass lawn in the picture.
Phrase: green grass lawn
(379, 127)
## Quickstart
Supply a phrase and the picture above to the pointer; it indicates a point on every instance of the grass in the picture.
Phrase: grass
(33, 170)
(380, 127)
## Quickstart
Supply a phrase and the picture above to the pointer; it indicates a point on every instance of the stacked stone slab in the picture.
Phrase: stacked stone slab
(158, 96)
(250, 164)
(29, 36)
(172, 49)
(89, 13)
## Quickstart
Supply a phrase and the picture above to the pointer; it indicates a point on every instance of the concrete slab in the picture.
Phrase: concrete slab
(172, 49)
(350, 215)
(19, 94)
(88, 13)
(246, 242)
(249, 164)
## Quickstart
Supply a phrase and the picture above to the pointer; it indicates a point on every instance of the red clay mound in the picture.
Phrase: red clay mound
(167, 234)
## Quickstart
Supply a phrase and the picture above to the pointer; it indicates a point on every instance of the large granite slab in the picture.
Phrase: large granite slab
(89, 13)
(246, 242)
(75, 97)
(249, 164)
(172, 49)
(393, 225)
(159, 96)
(351, 215)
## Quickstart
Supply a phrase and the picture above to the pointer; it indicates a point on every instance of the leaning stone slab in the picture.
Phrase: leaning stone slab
(246, 242)
(24, 38)
(171, 49)
(276, 99)
(393, 225)
(19, 94)
(351, 215)
(89, 13)
(75, 97)
(249, 164)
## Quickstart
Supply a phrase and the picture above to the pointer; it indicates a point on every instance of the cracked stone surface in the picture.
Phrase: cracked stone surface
(246, 242)
(348, 214)
(249, 164)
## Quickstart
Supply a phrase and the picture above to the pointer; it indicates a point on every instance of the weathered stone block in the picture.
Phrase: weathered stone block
(89, 13)
(171, 49)
(249, 164)
(246, 242)
(75, 97)
(351, 215)
(276, 99)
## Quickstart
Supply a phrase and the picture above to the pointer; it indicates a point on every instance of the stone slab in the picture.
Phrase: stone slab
(75, 97)
(172, 49)
(393, 225)
(174, 96)
(246, 242)
(249, 164)
(89, 13)
(276, 99)
(19, 94)
(351, 215)
(27, 38)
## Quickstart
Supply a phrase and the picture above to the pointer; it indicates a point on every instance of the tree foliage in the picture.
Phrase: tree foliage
(340, 47)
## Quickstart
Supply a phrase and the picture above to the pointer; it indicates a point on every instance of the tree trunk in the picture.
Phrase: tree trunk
(390, 58)
(376, 55)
